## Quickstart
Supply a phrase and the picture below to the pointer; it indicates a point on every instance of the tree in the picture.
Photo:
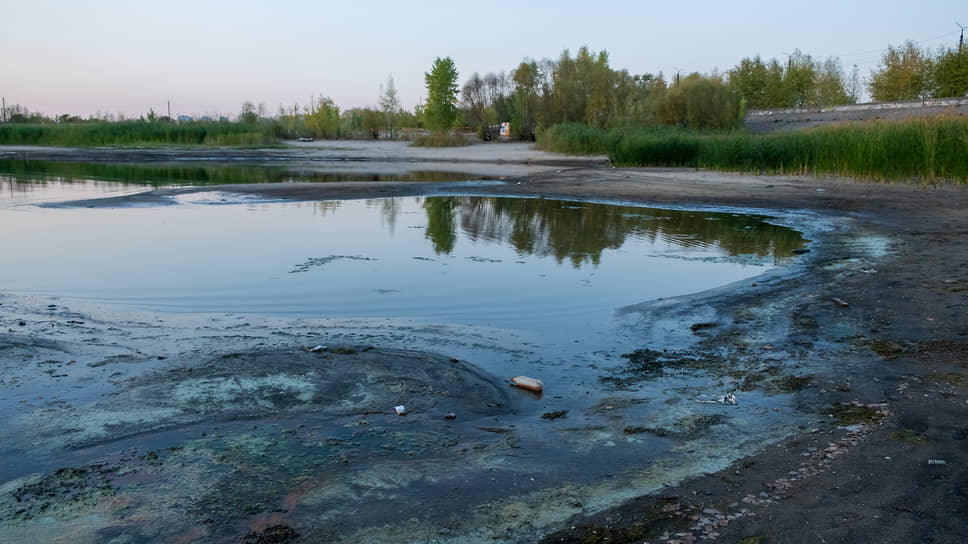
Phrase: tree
(853, 86)
(700, 102)
(829, 88)
(248, 115)
(803, 82)
(323, 119)
(390, 105)
(750, 79)
(799, 79)
(526, 79)
(441, 107)
(949, 73)
(903, 74)
(477, 99)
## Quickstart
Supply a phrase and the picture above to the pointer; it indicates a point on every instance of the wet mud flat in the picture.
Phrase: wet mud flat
(141, 430)
(865, 341)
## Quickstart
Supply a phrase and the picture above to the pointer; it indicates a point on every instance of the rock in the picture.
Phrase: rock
(450, 415)
(800, 251)
(554, 415)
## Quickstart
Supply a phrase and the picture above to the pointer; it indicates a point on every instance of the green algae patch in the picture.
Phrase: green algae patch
(853, 414)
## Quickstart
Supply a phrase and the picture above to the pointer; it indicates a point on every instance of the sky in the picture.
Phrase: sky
(209, 56)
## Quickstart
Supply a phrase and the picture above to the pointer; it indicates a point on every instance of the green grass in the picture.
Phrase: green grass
(139, 133)
(920, 150)
(578, 139)
(436, 139)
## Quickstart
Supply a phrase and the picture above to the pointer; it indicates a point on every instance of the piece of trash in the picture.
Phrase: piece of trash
(454, 360)
(840, 302)
(401, 410)
(530, 384)
(937, 462)
(318, 348)
(767, 347)
(450, 415)
(819, 190)
(729, 398)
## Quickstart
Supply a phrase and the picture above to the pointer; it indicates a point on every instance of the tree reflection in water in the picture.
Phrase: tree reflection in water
(580, 231)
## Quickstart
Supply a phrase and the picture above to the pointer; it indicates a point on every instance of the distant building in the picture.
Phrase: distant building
(184, 118)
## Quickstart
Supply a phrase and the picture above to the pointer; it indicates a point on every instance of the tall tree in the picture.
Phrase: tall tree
(441, 107)
(477, 99)
(526, 79)
(902, 75)
(323, 119)
(390, 105)
(829, 88)
(750, 79)
(949, 73)
(700, 102)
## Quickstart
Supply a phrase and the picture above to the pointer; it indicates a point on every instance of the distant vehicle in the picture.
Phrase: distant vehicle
(304, 139)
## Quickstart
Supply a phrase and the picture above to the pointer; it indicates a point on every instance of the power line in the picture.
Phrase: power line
(880, 50)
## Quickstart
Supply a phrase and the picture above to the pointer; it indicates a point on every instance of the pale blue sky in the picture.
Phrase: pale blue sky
(209, 56)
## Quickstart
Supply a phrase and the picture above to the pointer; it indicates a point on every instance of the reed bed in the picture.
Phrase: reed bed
(138, 133)
(927, 150)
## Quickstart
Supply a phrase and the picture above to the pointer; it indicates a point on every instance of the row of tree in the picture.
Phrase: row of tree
(908, 72)
(584, 89)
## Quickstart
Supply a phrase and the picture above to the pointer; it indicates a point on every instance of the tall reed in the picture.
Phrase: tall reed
(919, 150)
(138, 132)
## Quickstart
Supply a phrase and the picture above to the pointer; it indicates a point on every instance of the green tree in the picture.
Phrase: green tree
(526, 79)
(441, 108)
(949, 73)
(248, 116)
(750, 79)
(829, 87)
(323, 119)
(902, 75)
(799, 79)
(700, 102)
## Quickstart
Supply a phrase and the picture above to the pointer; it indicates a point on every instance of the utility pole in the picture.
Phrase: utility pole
(961, 40)
(4, 109)
(169, 110)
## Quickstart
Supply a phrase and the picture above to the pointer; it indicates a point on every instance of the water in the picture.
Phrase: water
(543, 277)
(538, 264)
(514, 286)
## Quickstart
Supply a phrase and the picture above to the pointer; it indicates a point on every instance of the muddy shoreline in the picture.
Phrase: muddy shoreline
(866, 337)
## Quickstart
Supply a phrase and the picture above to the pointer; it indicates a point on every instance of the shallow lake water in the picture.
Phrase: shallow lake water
(513, 285)
(556, 269)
